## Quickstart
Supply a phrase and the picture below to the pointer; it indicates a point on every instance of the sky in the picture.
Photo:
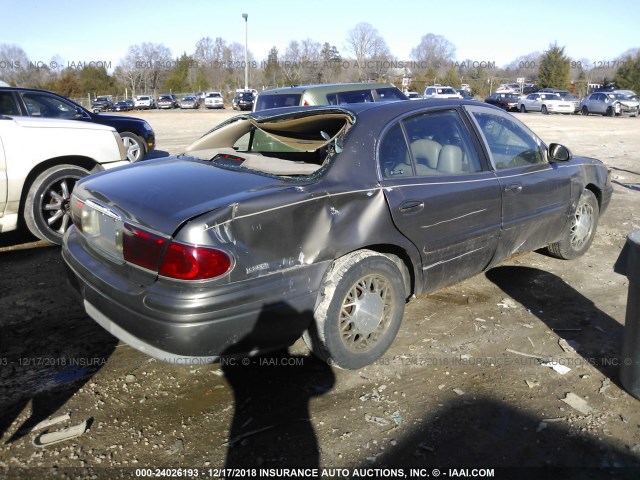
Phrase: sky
(80, 31)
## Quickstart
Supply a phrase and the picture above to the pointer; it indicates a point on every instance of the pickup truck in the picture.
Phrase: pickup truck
(102, 104)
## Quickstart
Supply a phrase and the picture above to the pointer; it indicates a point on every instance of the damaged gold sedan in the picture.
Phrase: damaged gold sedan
(319, 222)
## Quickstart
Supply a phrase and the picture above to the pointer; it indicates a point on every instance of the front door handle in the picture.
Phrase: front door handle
(513, 189)
(411, 206)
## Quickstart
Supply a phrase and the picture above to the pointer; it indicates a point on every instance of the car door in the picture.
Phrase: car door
(535, 193)
(534, 102)
(441, 194)
(597, 103)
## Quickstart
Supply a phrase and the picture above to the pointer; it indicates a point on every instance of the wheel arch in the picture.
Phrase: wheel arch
(401, 258)
(596, 191)
(132, 131)
(78, 161)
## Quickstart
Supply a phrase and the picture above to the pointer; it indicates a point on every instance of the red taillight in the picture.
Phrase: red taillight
(172, 259)
(187, 262)
(142, 248)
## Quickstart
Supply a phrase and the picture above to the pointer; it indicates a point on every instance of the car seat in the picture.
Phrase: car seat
(450, 160)
(426, 153)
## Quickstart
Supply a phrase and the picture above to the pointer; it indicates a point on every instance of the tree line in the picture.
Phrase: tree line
(215, 64)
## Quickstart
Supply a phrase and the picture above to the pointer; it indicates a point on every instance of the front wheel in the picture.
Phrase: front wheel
(523, 109)
(46, 208)
(609, 112)
(133, 145)
(544, 110)
(360, 312)
(585, 110)
(580, 231)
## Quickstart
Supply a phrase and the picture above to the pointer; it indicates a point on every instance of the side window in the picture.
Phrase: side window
(440, 145)
(8, 104)
(393, 155)
(359, 96)
(510, 145)
(41, 105)
(385, 94)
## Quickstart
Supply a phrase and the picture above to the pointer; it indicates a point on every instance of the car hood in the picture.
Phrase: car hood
(163, 194)
(37, 122)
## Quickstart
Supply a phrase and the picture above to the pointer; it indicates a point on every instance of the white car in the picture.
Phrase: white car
(545, 103)
(438, 91)
(41, 159)
(144, 102)
(508, 88)
(413, 96)
(214, 100)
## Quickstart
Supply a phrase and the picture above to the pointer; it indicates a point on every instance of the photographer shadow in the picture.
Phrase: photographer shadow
(272, 423)
(48, 347)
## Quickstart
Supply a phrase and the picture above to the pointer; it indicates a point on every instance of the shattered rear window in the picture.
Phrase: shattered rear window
(292, 146)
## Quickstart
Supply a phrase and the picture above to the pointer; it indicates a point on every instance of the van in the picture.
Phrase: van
(327, 94)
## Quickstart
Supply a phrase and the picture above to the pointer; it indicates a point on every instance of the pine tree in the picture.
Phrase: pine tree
(553, 71)
(628, 73)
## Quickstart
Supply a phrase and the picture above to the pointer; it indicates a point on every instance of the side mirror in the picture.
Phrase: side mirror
(79, 113)
(559, 153)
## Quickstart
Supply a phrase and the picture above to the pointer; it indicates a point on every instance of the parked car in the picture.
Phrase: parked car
(130, 103)
(243, 101)
(137, 135)
(120, 107)
(609, 104)
(41, 161)
(508, 88)
(507, 101)
(413, 96)
(168, 101)
(214, 100)
(465, 94)
(327, 94)
(545, 103)
(565, 95)
(190, 101)
(102, 104)
(145, 102)
(322, 225)
(439, 91)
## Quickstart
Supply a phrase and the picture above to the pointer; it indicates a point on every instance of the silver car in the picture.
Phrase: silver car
(190, 101)
(609, 104)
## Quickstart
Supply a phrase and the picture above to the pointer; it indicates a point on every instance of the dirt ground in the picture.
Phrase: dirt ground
(463, 386)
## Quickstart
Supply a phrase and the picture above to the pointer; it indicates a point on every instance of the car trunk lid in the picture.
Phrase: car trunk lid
(170, 192)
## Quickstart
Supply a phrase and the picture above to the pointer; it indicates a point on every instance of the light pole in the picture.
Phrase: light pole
(246, 59)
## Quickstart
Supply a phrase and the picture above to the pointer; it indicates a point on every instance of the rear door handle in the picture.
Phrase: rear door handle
(513, 189)
(411, 206)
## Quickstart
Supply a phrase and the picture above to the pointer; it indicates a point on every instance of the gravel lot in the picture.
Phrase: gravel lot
(462, 386)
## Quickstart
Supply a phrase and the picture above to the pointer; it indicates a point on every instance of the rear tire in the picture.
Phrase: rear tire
(46, 208)
(360, 310)
(580, 230)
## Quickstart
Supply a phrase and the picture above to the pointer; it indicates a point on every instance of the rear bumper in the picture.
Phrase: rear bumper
(194, 324)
